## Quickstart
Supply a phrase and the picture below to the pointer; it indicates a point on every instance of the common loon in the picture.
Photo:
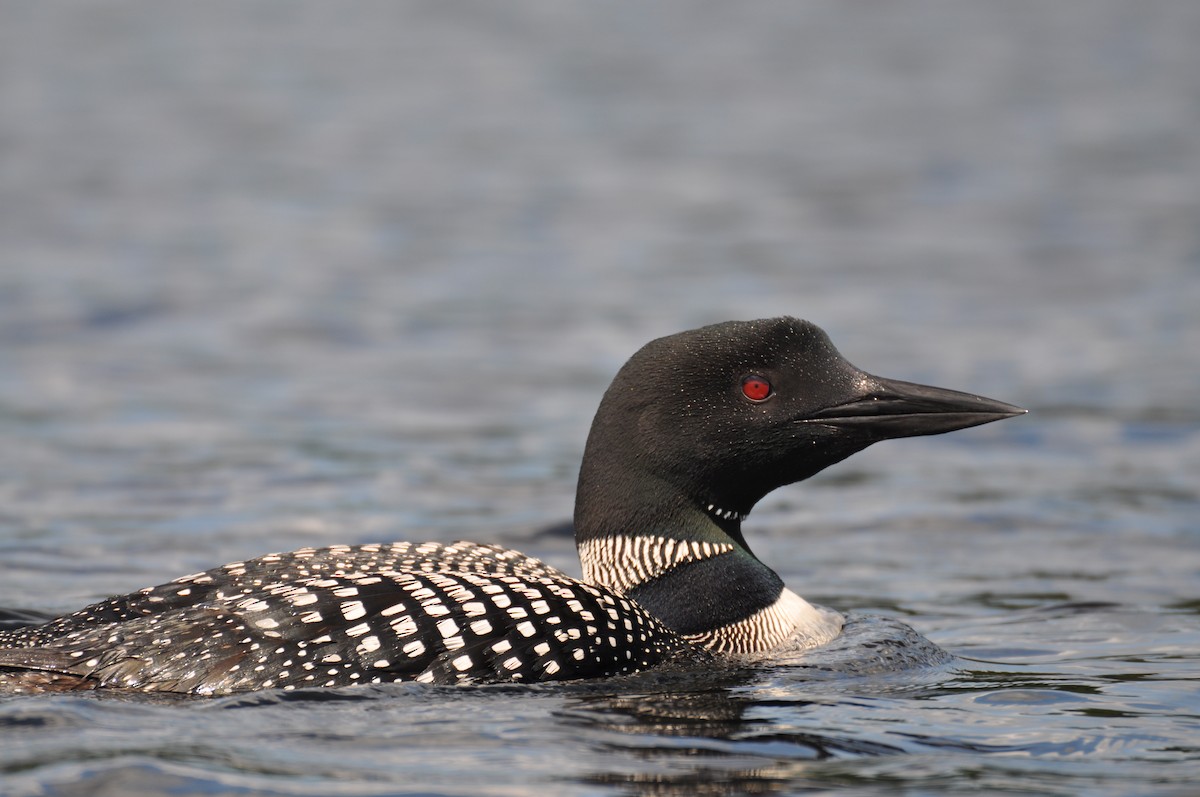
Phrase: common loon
(694, 430)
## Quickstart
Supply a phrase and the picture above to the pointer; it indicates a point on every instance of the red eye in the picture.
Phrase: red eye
(756, 388)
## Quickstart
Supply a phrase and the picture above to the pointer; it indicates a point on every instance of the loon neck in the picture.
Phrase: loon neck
(686, 562)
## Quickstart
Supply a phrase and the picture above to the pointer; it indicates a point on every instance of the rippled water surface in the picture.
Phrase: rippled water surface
(293, 274)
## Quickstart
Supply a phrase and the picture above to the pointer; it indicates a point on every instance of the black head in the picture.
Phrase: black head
(727, 413)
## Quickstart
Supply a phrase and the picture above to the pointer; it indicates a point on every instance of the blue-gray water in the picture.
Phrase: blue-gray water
(291, 273)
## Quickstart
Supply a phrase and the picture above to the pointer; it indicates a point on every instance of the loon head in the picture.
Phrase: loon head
(694, 430)
(712, 419)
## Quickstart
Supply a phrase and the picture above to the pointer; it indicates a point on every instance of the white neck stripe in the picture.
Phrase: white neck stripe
(622, 563)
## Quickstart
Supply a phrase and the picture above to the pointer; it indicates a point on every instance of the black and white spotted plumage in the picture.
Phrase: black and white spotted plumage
(694, 430)
(240, 577)
(432, 613)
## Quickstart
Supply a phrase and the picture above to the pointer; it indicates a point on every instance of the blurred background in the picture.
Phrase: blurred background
(303, 273)
(298, 273)
(292, 273)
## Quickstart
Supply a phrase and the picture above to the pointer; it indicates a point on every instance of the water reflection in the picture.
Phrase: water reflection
(772, 731)
(717, 738)
(703, 782)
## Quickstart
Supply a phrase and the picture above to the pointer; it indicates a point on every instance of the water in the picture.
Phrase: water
(294, 274)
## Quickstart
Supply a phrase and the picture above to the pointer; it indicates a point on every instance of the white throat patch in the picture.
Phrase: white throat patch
(724, 514)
